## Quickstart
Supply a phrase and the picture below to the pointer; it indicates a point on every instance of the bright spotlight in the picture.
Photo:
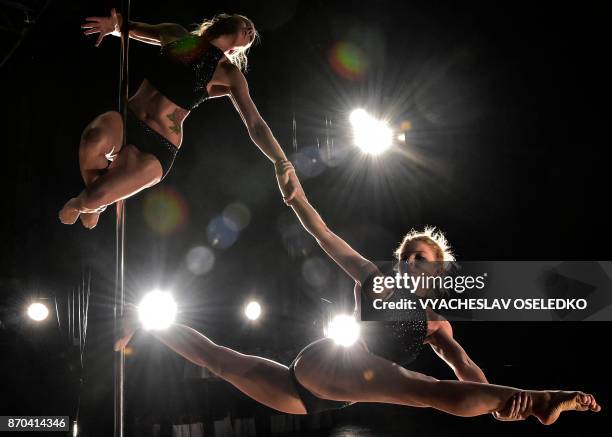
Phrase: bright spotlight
(253, 310)
(359, 116)
(157, 310)
(38, 311)
(343, 329)
(372, 136)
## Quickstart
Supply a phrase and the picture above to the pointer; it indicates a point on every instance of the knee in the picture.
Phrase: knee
(101, 131)
(91, 139)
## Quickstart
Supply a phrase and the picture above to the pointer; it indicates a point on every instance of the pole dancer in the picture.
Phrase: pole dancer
(190, 68)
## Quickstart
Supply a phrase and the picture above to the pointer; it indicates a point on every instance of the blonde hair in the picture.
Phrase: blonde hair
(431, 236)
(225, 24)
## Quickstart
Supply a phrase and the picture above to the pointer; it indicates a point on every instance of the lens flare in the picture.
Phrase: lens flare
(308, 162)
(237, 216)
(200, 260)
(165, 210)
(348, 60)
(221, 233)
(316, 272)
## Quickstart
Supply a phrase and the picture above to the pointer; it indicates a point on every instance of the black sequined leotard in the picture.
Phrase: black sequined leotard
(397, 341)
(183, 68)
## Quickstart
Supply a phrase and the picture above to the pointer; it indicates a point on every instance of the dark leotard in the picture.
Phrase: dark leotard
(397, 341)
(183, 69)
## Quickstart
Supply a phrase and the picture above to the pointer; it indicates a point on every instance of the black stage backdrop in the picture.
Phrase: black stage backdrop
(506, 154)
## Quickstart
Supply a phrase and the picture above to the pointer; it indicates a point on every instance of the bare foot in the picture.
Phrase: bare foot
(70, 212)
(89, 220)
(554, 403)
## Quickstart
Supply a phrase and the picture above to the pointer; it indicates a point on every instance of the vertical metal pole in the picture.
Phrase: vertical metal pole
(119, 359)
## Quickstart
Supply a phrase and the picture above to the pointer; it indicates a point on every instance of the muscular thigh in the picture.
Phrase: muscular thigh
(354, 374)
(331, 371)
(143, 169)
(264, 380)
(106, 128)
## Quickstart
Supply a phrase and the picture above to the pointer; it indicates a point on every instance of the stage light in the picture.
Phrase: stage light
(359, 116)
(372, 136)
(157, 310)
(253, 310)
(401, 137)
(38, 311)
(343, 329)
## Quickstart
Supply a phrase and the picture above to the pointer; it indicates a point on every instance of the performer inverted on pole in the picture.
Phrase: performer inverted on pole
(190, 68)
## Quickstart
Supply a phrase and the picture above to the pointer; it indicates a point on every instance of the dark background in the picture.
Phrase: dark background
(506, 154)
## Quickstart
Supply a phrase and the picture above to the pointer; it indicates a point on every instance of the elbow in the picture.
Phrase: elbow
(463, 363)
(467, 370)
(321, 233)
(463, 367)
(257, 129)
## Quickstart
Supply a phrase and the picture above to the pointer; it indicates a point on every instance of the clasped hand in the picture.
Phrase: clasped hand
(288, 182)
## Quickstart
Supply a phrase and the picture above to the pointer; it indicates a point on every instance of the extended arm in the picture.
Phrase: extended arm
(258, 129)
(355, 265)
(157, 34)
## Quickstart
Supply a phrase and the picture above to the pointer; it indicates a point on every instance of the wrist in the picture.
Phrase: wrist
(279, 166)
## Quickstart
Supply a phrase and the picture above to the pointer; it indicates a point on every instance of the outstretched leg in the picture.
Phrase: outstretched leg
(354, 374)
(264, 380)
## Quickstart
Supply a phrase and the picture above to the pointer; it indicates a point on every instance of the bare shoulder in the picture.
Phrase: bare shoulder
(232, 73)
(170, 32)
(176, 29)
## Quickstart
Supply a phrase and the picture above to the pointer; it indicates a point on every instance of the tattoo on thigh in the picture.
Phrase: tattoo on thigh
(176, 117)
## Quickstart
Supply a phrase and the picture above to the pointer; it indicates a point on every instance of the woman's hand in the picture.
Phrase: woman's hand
(103, 26)
(518, 407)
(288, 182)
